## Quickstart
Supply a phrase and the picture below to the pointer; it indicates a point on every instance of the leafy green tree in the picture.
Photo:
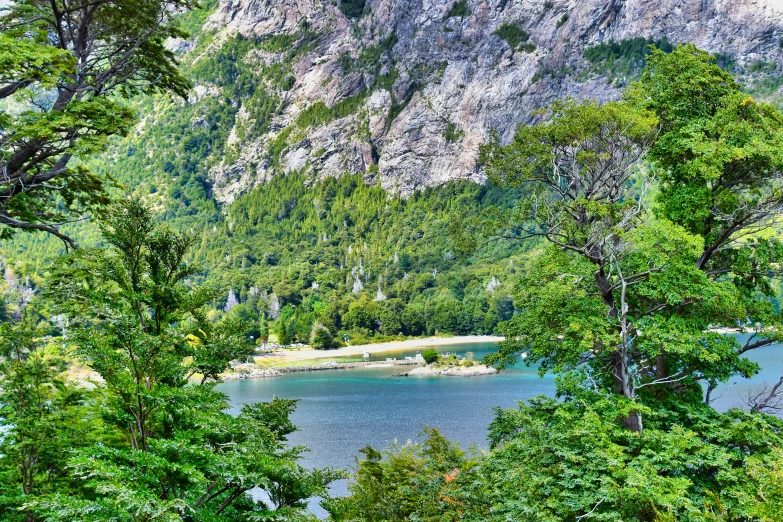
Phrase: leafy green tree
(138, 320)
(321, 338)
(624, 297)
(430, 356)
(413, 322)
(361, 313)
(263, 334)
(85, 55)
(331, 317)
(45, 418)
(390, 315)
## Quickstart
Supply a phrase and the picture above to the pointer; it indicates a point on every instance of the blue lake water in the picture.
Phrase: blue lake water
(342, 411)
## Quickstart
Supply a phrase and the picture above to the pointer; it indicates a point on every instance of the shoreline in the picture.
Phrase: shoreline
(285, 355)
(252, 371)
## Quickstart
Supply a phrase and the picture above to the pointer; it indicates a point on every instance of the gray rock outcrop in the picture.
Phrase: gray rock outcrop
(454, 78)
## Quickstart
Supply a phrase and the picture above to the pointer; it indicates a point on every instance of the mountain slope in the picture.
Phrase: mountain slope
(397, 94)
(427, 81)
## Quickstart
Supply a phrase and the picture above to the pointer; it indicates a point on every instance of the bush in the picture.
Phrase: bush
(352, 8)
(430, 356)
(513, 34)
(452, 133)
(321, 338)
(459, 9)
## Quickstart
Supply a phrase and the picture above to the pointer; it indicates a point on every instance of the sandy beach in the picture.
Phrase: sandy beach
(305, 354)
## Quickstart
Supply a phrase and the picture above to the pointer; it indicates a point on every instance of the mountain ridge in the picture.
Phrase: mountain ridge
(434, 78)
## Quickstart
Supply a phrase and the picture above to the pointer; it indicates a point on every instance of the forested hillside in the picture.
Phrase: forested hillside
(342, 252)
(301, 244)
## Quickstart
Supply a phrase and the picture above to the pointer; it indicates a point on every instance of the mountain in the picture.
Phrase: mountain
(326, 148)
(420, 84)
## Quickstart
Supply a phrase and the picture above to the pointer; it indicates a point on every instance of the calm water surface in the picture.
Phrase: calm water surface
(342, 411)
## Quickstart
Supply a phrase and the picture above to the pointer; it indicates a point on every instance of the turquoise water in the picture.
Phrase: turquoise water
(733, 393)
(342, 411)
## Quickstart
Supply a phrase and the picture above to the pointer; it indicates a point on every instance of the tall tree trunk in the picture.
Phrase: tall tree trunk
(622, 385)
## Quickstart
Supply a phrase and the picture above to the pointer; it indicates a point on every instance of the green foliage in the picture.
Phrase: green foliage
(452, 132)
(319, 114)
(321, 338)
(193, 20)
(718, 148)
(626, 58)
(352, 8)
(726, 62)
(147, 443)
(460, 9)
(430, 356)
(44, 416)
(516, 37)
(403, 482)
(371, 56)
(283, 337)
(263, 332)
(48, 48)
(761, 66)
(553, 461)
(563, 20)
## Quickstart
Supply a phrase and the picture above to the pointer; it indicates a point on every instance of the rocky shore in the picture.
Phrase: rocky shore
(453, 371)
(253, 371)
(250, 371)
(347, 366)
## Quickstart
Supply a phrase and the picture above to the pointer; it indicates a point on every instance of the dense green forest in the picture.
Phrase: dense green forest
(632, 230)
(337, 253)
(350, 257)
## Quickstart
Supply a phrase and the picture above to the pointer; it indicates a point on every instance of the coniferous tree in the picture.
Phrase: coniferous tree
(283, 337)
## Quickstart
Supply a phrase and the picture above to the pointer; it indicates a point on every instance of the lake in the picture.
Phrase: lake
(342, 411)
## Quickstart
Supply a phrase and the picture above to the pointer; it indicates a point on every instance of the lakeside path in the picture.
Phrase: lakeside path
(307, 354)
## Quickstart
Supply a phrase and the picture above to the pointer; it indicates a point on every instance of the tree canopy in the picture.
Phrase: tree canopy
(64, 68)
(634, 280)
(150, 442)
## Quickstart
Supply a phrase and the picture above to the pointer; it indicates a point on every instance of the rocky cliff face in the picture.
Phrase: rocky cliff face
(431, 78)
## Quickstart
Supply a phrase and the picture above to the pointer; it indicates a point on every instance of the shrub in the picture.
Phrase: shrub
(513, 34)
(321, 338)
(452, 133)
(352, 8)
(459, 9)
(430, 356)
